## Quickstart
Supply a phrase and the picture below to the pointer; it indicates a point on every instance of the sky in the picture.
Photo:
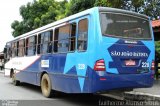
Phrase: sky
(9, 10)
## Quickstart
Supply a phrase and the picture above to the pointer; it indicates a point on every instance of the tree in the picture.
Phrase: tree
(76, 6)
(42, 12)
(37, 14)
(101, 3)
(20, 27)
(61, 13)
(110, 3)
(149, 7)
(152, 8)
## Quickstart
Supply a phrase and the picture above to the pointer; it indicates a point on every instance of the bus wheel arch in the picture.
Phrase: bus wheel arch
(41, 75)
(46, 85)
(14, 80)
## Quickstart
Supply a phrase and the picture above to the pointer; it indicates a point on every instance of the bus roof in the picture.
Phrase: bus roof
(88, 11)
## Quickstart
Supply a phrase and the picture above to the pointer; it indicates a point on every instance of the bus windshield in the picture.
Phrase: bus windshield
(126, 26)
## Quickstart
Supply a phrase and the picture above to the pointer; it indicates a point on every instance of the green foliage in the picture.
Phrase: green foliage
(101, 3)
(110, 3)
(20, 27)
(157, 46)
(37, 14)
(152, 9)
(76, 6)
(137, 4)
(42, 12)
(115, 3)
(61, 12)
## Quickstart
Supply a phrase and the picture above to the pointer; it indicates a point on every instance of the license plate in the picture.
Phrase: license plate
(130, 63)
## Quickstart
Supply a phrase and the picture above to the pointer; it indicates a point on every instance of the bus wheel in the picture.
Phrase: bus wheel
(46, 86)
(14, 81)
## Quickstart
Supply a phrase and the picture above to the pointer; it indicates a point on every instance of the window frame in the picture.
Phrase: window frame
(56, 38)
(27, 45)
(14, 49)
(8, 51)
(75, 37)
(41, 42)
(63, 39)
(87, 34)
(21, 47)
(128, 15)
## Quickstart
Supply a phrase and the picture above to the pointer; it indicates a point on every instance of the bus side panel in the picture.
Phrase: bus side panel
(65, 81)
(76, 75)
(67, 78)
(29, 74)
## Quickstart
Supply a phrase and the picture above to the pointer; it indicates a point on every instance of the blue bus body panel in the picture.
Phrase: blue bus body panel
(117, 75)
(68, 74)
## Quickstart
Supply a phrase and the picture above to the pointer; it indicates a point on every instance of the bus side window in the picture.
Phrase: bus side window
(72, 39)
(31, 46)
(39, 44)
(47, 45)
(11, 49)
(29, 52)
(7, 52)
(26, 48)
(35, 44)
(55, 47)
(63, 39)
(82, 35)
(45, 42)
(42, 47)
(17, 49)
(21, 48)
(14, 49)
(50, 43)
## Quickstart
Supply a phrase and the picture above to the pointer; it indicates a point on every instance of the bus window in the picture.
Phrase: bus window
(8, 52)
(45, 42)
(55, 47)
(82, 35)
(26, 48)
(124, 26)
(17, 46)
(43, 48)
(39, 44)
(50, 43)
(21, 48)
(14, 49)
(72, 39)
(31, 46)
(63, 36)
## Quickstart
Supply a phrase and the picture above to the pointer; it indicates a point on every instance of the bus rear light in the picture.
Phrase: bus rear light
(103, 79)
(100, 65)
(153, 66)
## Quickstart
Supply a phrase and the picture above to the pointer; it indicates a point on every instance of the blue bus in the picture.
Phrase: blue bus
(99, 49)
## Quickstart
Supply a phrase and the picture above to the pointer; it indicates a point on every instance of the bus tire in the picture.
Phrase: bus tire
(46, 86)
(14, 81)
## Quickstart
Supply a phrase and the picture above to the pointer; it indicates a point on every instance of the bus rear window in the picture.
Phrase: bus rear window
(126, 26)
